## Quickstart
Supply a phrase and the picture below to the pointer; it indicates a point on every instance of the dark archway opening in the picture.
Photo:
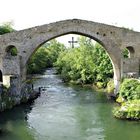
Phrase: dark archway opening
(1, 76)
(11, 50)
(131, 51)
(128, 52)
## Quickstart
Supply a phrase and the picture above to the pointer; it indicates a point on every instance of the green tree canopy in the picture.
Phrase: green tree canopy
(6, 28)
(44, 57)
(88, 63)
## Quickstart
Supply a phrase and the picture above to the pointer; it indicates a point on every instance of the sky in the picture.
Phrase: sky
(29, 13)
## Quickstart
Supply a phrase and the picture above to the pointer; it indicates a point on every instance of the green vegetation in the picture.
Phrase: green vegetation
(125, 53)
(129, 99)
(44, 57)
(6, 28)
(87, 64)
(128, 110)
(130, 89)
(110, 87)
(14, 51)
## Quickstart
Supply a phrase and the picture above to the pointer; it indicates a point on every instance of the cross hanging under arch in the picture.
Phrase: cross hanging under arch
(72, 42)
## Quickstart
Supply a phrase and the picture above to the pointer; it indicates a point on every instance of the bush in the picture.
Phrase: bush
(44, 57)
(130, 89)
(100, 85)
(129, 99)
(128, 110)
(13, 51)
(6, 28)
(110, 87)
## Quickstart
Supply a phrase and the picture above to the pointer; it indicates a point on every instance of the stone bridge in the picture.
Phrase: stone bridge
(113, 39)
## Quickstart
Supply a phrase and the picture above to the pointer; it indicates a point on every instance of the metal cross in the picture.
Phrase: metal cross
(72, 42)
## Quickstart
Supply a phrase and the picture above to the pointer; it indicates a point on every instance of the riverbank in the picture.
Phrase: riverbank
(129, 110)
(8, 99)
(129, 100)
(108, 90)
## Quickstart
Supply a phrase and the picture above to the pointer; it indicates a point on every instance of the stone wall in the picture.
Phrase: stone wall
(130, 67)
(16, 94)
(11, 65)
(14, 89)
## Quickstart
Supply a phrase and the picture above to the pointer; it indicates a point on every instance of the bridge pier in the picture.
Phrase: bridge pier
(116, 86)
(117, 79)
(16, 92)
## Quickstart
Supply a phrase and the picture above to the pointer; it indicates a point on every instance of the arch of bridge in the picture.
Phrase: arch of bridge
(113, 39)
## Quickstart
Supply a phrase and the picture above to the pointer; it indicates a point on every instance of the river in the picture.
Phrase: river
(64, 112)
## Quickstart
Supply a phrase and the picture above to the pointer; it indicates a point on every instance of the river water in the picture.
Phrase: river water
(65, 112)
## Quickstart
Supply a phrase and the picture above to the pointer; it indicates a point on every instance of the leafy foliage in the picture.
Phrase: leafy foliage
(44, 57)
(6, 28)
(88, 63)
(129, 99)
(128, 110)
(12, 50)
(125, 53)
(110, 87)
(130, 89)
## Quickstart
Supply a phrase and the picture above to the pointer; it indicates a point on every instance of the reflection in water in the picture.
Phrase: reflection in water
(13, 123)
(65, 112)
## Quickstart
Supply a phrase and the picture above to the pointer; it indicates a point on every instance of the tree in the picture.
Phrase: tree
(44, 57)
(6, 28)
(89, 63)
(125, 53)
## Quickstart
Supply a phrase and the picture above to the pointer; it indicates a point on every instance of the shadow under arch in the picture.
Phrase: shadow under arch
(1, 76)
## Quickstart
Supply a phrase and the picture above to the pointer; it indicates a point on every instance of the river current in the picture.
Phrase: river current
(64, 112)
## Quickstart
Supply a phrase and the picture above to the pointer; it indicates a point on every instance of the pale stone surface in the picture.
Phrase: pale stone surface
(6, 80)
